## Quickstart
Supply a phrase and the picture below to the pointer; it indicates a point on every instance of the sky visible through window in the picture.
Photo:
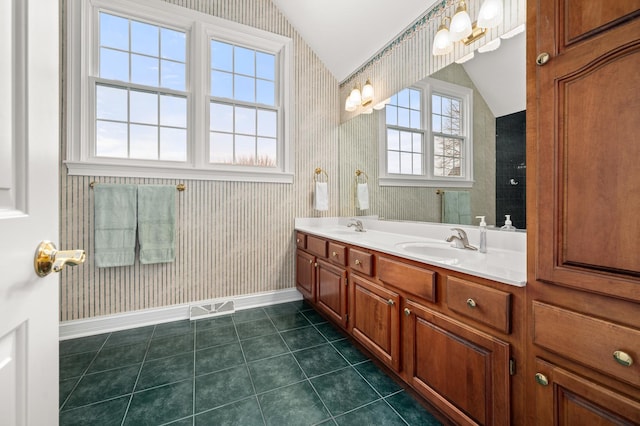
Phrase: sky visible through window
(404, 133)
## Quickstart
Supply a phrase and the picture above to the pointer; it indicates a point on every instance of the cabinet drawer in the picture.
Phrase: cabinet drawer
(317, 246)
(301, 240)
(417, 281)
(483, 304)
(587, 340)
(361, 261)
(338, 254)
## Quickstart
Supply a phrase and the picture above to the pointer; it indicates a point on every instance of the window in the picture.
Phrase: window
(426, 136)
(157, 90)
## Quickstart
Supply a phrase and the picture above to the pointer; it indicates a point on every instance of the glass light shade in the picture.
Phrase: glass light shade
(368, 111)
(460, 23)
(355, 96)
(348, 105)
(442, 43)
(367, 93)
(491, 13)
(491, 46)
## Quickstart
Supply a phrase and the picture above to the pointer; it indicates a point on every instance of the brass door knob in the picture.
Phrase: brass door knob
(623, 358)
(471, 303)
(407, 312)
(543, 58)
(542, 379)
(48, 258)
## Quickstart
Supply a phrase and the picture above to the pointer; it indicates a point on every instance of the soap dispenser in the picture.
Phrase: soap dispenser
(483, 234)
(508, 226)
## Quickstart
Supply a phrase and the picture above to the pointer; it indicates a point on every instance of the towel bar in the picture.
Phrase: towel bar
(180, 187)
(359, 174)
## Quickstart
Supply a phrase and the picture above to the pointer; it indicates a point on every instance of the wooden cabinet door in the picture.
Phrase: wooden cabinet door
(331, 291)
(374, 319)
(565, 399)
(462, 371)
(306, 275)
(585, 153)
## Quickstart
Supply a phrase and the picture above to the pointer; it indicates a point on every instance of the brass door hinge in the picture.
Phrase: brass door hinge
(512, 367)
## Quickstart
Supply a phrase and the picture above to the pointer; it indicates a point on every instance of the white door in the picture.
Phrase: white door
(29, 145)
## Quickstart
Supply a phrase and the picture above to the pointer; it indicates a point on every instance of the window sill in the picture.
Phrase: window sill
(75, 168)
(422, 182)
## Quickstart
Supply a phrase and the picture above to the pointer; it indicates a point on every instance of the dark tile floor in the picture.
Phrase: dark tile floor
(278, 365)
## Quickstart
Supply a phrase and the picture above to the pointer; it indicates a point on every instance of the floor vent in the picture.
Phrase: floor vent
(211, 310)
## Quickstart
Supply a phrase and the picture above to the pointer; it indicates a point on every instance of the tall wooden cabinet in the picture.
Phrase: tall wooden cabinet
(583, 138)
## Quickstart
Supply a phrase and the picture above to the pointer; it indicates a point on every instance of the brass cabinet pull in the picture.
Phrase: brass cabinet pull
(623, 358)
(358, 262)
(298, 240)
(48, 258)
(471, 303)
(542, 379)
(310, 261)
(407, 312)
(390, 302)
(334, 254)
(543, 58)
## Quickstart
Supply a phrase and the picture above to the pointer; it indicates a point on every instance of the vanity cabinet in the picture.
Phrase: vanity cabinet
(454, 338)
(464, 371)
(306, 275)
(583, 291)
(375, 319)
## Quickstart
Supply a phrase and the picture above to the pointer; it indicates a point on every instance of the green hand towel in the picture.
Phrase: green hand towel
(156, 223)
(115, 225)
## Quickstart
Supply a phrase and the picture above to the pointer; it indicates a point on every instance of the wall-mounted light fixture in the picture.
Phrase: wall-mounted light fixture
(358, 98)
(461, 28)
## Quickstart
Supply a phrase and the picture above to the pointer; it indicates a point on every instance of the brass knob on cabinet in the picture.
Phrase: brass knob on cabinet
(298, 240)
(542, 379)
(471, 303)
(310, 261)
(357, 262)
(334, 254)
(407, 312)
(390, 302)
(48, 258)
(543, 58)
(623, 358)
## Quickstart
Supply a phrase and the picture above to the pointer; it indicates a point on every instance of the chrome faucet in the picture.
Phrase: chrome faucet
(460, 241)
(358, 225)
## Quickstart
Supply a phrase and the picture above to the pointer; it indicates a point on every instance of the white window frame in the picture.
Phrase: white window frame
(428, 87)
(82, 37)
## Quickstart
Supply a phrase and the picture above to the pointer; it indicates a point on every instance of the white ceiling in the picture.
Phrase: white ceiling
(345, 34)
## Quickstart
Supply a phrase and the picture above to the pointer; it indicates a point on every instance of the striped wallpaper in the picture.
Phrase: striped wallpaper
(233, 238)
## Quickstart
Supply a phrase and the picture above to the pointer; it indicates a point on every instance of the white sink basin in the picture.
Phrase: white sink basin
(439, 252)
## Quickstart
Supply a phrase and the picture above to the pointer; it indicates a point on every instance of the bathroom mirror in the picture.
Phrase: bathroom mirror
(499, 100)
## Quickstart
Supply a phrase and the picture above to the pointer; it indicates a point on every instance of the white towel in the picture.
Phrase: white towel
(321, 197)
(362, 196)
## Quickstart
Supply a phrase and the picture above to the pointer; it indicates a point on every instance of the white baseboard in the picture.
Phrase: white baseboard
(109, 323)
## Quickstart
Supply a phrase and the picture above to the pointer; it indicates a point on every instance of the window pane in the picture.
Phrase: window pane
(436, 123)
(144, 142)
(267, 123)
(111, 139)
(221, 117)
(446, 125)
(417, 164)
(144, 70)
(266, 92)
(111, 103)
(405, 141)
(455, 126)
(406, 163)
(392, 115)
(244, 88)
(414, 119)
(173, 144)
(414, 100)
(173, 111)
(114, 31)
(267, 152)
(403, 98)
(245, 150)
(436, 107)
(244, 61)
(221, 56)
(173, 45)
(222, 84)
(221, 148)
(172, 75)
(245, 121)
(393, 162)
(144, 107)
(114, 65)
(417, 142)
(403, 117)
(265, 66)
(393, 139)
(144, 38)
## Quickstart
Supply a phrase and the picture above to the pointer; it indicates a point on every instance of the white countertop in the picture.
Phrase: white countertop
(505, 260)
